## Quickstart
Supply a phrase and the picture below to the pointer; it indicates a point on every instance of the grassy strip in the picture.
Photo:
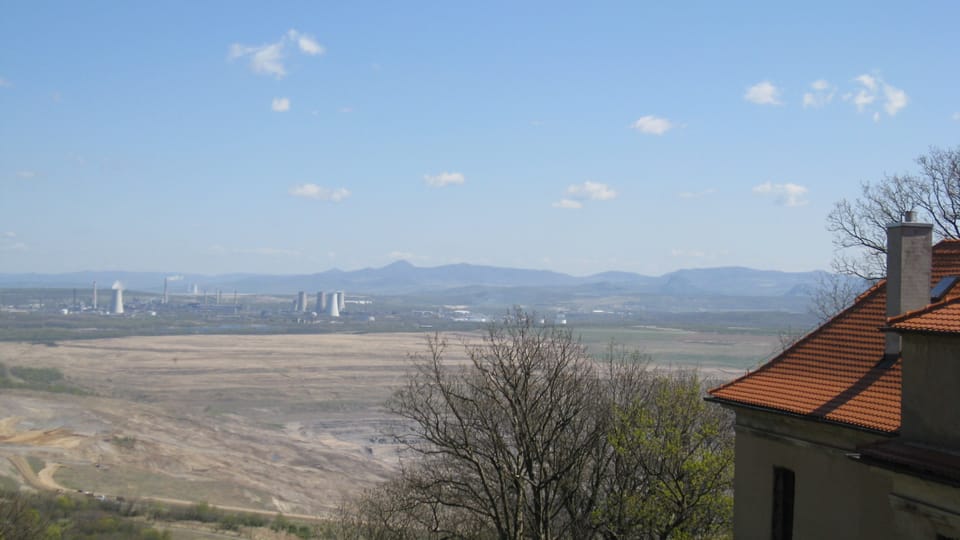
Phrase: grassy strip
(73, 516)
(43, 379)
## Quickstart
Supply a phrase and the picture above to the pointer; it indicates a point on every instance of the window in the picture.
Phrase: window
(782, 523)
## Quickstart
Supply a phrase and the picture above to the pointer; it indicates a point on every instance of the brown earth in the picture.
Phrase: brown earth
(286, 424)
(279, 423)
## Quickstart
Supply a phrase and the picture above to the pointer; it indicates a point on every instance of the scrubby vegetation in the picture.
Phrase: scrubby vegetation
(31, 378)
(62, 517)
(43, 516)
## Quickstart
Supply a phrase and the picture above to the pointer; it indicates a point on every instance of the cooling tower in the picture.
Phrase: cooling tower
(116, 307)
(301, 301)
(321, 302)
(340, 300)
(333, 308)
(94, 295)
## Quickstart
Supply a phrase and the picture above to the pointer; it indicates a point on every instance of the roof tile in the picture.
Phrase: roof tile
(836, 373)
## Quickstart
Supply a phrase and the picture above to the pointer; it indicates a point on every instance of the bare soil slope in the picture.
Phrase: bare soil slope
(279, 423)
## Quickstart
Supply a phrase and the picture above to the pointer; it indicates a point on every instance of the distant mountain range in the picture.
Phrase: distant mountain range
(403, 278)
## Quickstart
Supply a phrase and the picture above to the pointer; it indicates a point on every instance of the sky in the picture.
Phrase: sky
(221, 137)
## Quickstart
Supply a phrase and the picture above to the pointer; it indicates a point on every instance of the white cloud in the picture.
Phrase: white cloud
(8, 234)
(652, 125)
(568, 203)
(871, 89)
(264, 60)
(696, 194)
(763, 93)
(444, 179)
(863, 99)
(268, 59)
(313, 191)
(280, 105)
(868, 81)
(306, 43)
(346, 110)
(5, 83)
(577, 193)
(592, 190)
(822, 94)
(896, 99)
(956, 116)
(791, 195)
(26, 174)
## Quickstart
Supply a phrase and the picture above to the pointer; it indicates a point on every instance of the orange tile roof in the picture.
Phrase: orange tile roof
(940, 318)
(836, 373)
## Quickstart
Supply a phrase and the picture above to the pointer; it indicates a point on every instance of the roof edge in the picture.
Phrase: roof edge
(816, 419)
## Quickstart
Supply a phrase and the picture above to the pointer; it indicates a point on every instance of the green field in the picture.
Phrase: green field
(673, 346)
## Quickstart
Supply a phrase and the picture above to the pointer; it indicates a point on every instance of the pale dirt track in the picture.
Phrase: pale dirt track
(42, 481)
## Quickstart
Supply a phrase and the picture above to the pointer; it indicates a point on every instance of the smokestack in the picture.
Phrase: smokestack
(341, 300)
(219, 294)
(321, 302)
(909, 257)
(164, 301)
(94, 295)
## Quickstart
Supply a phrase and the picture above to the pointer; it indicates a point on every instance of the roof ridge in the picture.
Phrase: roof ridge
(929, 308)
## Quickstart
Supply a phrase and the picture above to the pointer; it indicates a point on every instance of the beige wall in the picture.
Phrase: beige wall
(931, 384)
(924, 509)
(835, 497)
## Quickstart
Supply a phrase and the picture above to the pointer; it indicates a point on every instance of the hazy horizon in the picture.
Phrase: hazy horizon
(181, 272)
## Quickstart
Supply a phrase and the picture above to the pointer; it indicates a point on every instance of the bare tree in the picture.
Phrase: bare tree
(519, 442)
(502, 438)
(833, 293)
(859, 226)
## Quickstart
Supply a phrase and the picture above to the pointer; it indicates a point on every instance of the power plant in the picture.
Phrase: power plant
(196, 298)
(116, 306)
(333, 304)
(165, 281)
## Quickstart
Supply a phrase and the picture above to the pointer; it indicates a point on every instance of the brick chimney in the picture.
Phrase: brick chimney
(909, 254)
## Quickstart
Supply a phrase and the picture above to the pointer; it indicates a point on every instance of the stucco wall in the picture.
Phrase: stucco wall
(931, 384)
(835, 497)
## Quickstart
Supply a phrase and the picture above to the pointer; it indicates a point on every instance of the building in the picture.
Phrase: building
(854, 431)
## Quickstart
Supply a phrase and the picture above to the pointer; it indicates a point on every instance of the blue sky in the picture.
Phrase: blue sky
(223, 137)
